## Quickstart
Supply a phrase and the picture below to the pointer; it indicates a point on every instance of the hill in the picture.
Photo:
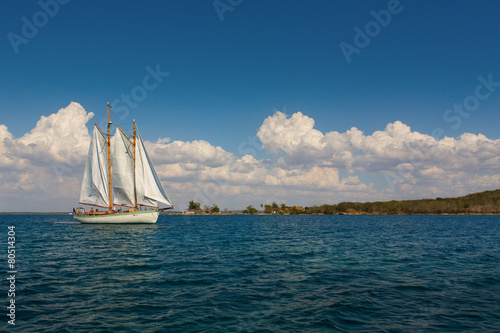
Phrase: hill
(487, 202)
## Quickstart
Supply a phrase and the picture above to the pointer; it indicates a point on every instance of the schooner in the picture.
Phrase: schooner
(122, 177)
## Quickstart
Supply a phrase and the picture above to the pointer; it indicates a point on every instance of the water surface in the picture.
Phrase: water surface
(257, 273)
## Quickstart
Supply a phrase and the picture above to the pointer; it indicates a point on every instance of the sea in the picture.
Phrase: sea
(241, 273)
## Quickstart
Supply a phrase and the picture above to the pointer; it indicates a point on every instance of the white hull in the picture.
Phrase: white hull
(148, 216)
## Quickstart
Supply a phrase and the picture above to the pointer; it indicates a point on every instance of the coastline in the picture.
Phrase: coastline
(263, 214)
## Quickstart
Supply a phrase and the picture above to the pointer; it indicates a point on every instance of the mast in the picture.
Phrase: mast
(135, 185)
(109, 162)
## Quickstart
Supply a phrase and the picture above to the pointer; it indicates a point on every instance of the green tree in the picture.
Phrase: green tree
(215, 209)
(194, 205)
(250, 210)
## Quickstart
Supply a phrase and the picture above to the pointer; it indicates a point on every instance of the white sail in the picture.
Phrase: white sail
(133, 181)
(122, 176)
(150, 190)
(95, 189)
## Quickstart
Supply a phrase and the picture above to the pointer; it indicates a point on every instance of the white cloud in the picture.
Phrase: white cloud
(38, 170)
(382, 151)
(198, 151)
(5, 136)
(412, 164)
(44, 167)
(288, 134)
(56, 138)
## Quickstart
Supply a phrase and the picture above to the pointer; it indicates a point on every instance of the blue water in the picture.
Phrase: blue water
(256, 274)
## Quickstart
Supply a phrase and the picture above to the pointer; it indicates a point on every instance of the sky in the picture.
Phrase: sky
(249, 102)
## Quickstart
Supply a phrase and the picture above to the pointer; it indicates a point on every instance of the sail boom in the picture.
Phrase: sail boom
(149, 206)
(91, 204)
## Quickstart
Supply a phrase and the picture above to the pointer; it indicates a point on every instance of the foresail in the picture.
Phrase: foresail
(122, 176)
(95, 189)
(149, 187)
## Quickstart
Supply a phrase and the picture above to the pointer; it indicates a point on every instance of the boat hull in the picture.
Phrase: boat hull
(147, 216)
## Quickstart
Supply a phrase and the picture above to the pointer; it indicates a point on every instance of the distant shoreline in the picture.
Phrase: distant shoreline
(481, 203)
(261, 214)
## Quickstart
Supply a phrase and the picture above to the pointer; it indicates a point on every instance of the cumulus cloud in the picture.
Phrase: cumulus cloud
(5, 136)
(54, 138)
(410, 163)
(198, 151)
(289, 134)
(38, 169)
(304, 165)
(383, 151)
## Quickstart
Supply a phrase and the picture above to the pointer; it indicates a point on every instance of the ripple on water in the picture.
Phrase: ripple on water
(259, 273)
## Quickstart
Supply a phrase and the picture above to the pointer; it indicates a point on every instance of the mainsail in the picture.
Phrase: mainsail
(122, 176)
(95, 189)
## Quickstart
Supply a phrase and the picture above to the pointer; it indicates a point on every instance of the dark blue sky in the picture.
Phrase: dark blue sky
(226, 76)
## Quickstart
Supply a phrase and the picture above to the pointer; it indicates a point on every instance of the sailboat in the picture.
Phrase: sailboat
(122, 180)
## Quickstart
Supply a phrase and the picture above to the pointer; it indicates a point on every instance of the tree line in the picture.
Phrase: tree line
(487, 202)
(196, 207)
